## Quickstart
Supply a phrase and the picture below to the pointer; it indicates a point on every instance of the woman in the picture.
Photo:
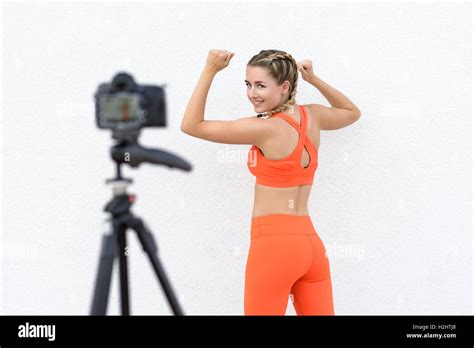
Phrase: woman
(286, 255)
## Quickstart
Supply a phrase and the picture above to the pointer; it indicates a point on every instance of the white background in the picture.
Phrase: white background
(391, 198)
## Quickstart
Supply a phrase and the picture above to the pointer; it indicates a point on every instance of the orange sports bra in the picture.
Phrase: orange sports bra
(287, 171)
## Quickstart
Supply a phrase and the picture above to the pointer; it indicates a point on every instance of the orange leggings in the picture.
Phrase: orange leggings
(286, 256)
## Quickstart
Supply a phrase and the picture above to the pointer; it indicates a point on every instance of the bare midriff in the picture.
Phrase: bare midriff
(285, 200)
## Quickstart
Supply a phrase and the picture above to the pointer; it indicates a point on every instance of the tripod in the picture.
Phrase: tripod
(115, 243)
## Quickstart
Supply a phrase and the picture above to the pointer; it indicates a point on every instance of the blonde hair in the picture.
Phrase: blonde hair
(281, 66)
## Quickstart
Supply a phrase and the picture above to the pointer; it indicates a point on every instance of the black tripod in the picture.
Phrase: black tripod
(115, 243)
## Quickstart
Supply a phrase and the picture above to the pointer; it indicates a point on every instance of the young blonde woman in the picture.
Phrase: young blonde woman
(286, 255)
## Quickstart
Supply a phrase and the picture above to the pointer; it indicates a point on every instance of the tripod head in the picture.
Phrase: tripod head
(127, 150)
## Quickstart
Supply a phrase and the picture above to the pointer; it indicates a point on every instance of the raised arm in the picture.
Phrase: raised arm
(342, 112)
(246, 130)
(194, 113)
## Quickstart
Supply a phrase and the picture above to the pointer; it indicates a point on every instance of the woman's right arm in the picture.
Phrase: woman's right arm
(333, 96)
(343, 111)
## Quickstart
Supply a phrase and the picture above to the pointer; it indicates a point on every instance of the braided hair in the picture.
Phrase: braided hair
(281, 66)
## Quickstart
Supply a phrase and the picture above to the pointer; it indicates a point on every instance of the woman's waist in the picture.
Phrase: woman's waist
(286, 206)
(269, 200)
(259, 212)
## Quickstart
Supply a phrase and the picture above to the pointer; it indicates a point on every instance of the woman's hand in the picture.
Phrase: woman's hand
(305, 67)
(218, 60)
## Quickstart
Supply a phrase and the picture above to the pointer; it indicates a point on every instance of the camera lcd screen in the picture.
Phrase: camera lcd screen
(120, 107)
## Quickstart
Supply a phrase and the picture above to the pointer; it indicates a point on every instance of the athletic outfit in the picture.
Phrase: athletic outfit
(286, 255)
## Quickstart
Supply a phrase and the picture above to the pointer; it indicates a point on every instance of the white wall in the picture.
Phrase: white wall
(392, 194)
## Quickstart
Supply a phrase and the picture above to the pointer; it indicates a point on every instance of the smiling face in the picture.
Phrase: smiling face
(263, 91)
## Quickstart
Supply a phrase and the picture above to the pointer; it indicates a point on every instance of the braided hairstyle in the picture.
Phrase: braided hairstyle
(281, 66)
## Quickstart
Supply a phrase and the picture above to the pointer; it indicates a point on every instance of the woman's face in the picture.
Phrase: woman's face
(262, 89)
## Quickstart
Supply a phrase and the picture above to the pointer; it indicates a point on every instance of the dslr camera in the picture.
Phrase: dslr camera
(123, 105)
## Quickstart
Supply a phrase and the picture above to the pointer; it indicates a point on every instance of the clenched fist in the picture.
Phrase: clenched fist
(305, 67)
(218, 60)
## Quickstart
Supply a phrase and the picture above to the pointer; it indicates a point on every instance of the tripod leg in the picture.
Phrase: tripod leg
(149, 246)
(122, 249)
(104, 275)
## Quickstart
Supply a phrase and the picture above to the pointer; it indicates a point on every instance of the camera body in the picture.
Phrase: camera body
(123, 105)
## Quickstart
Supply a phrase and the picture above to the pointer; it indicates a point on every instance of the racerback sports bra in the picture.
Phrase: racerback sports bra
(287, 171)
